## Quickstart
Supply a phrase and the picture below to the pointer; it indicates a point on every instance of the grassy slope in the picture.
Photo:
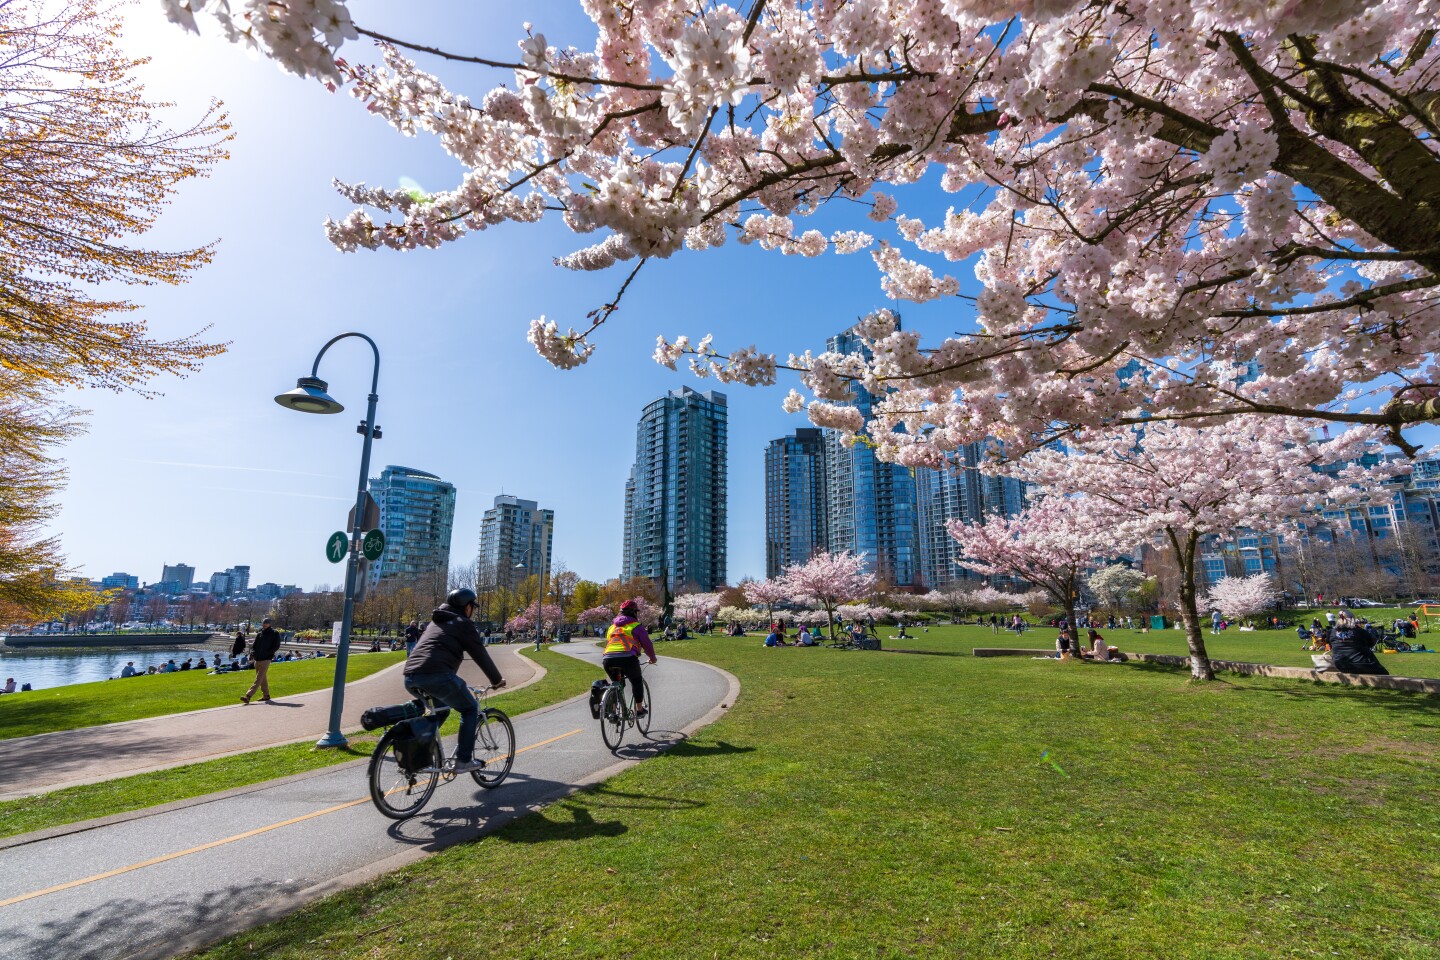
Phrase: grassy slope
(867, 805)
(565, 677)
(110, 701)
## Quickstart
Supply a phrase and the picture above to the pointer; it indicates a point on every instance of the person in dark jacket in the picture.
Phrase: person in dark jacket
(267, 644)
(1352, 647)
(412, 637)
(238, 647)
(433, 668)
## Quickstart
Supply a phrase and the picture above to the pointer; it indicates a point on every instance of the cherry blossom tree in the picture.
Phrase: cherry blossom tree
(1173, 485)
(553, 616)
(694, 606)
(1241, 597)
(767, 593)
(1047, 544)
(1151, 196)
(595, 615)
(828, 580)
(989, 600)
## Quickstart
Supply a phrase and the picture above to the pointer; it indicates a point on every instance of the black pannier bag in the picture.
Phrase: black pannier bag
(414, 741)
(377, 717)
(597, 691)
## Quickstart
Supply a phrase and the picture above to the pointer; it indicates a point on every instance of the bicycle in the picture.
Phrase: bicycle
(617, 712)
(404, 769)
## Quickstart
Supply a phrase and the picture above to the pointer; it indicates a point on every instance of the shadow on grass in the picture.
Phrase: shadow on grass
(689, 748)
(540, 827)
(928, 653)
(1301, 689)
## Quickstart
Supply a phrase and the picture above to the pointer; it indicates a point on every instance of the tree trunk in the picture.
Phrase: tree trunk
(1200, 668)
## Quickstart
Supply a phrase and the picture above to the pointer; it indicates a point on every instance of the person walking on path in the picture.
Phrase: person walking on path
(433, 668)
(412, 637)
(267, 644)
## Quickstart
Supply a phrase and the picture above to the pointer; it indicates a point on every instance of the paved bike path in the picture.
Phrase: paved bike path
(67, 758)
(170, 881)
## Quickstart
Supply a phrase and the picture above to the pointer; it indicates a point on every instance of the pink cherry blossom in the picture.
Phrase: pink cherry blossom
(1165, 210)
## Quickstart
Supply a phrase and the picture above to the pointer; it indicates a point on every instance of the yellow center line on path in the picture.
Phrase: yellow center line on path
(220, 843)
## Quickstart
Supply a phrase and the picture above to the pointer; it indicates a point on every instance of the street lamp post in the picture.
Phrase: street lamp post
(539, 596)
(310, 396)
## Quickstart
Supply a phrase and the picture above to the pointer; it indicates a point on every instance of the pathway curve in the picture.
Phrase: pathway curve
(164, 882)
(51, 761)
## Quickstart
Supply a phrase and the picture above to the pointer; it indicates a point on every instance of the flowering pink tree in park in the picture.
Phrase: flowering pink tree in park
(1150, 195)
(1173, 484)
(828, 580)
(1047, 544)
(989, 600)
(524, 622)
(767, 593)
(693, 607)
(595, 615)
(1241, 597)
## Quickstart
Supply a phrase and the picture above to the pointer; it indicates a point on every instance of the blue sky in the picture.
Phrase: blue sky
(214, 473)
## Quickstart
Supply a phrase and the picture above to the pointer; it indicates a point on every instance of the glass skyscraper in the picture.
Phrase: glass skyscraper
(675, 499)
(513, 532)
(417, 516)
(870, 504)
(959, 492)
(794, 500)
(822, 494)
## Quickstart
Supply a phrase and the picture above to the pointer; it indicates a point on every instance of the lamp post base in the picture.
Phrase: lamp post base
(332, 739)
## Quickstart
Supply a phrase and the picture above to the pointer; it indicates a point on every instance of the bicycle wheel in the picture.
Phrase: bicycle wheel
(643, 723)
(395, 792)
(495, 744)
(612, 717)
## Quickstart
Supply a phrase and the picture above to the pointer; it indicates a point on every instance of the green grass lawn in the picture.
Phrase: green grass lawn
(859, 804)
(564, 678)
(110, 701)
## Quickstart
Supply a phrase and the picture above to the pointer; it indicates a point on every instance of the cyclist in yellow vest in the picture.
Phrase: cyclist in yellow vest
(624, 642)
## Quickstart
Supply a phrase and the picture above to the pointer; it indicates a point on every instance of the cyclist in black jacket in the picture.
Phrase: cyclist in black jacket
(432, 668)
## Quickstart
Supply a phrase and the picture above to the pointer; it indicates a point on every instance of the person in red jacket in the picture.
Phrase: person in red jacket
(624, 642)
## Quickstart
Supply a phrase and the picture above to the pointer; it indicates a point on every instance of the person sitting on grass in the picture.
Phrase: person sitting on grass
(775, 638)
(804, 639)
(1064, 645)
(1099, 649)
(1352, 647)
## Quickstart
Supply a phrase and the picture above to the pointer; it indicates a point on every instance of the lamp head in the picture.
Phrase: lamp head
(309, 396)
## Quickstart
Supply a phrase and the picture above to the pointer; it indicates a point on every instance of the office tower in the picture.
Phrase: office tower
(870, 506)
(676, 497)
(417, 515)
(231, 580)
(794, 500)
(178, 577)
(514, 532)
(120, 581)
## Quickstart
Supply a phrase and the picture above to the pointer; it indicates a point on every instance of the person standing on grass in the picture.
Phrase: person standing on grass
(238, 647)
(267, 644)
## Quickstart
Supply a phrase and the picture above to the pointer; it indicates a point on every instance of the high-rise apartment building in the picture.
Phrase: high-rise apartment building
(120, 581)
(795, 501)
(822, 494)
(676, 496)
(959, 492)
(514, 532)
(870, 504)
(417, 516)
(230, 581)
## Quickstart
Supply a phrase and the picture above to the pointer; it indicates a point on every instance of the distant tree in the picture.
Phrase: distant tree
(562, 585)
(693, 607)
(1242, 597)
(1116, 585)
(595, 615)
(1048, 544)
(767, 593)
(828, 580)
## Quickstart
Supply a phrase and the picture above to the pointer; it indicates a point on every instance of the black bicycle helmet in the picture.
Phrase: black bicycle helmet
(458, 600)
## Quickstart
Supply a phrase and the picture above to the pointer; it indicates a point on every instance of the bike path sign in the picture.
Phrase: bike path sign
(373, 545)
(336, 547)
